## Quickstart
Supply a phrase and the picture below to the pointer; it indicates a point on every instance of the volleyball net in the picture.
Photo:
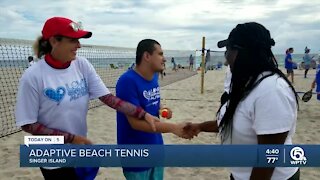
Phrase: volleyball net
(109, 62)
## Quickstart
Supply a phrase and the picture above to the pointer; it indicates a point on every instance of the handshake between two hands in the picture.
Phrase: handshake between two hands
(187, 130)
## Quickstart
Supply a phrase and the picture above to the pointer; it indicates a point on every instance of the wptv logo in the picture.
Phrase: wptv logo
(297, 156)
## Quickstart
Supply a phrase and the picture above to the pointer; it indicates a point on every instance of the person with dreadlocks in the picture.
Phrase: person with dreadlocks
(262, 105)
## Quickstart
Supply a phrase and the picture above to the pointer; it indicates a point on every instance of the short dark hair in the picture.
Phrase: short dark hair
(146, 45)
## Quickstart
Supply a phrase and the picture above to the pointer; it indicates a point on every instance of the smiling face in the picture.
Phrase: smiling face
(64, 48)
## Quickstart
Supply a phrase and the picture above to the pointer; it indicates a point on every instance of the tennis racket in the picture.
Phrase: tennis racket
(307, 96)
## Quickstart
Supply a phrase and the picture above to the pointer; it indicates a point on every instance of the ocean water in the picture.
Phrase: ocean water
(21, 61)
(126, 62)
(298, 58)
(15, 54)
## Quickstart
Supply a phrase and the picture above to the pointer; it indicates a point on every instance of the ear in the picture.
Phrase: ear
(146, 56)
(53, 41)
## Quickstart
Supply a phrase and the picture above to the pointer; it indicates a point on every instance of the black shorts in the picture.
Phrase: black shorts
(60, 174)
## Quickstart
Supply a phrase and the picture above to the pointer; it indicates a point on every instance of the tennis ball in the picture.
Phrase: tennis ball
(164, 113)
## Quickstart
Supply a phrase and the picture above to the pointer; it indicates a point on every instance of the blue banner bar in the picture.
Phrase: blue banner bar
(170, 155)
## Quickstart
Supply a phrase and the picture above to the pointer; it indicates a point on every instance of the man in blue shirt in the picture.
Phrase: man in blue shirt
(139, 86)
(289, 63)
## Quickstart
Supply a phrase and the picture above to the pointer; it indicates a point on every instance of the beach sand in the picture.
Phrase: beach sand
(184, 98)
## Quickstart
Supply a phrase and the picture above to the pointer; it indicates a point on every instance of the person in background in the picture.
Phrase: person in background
(162, 72)
(31, 61)
(53, 94)
(132, 66)
(307, 61)
(174, 68)
(191, 62)
(289, 64)
(207, 60)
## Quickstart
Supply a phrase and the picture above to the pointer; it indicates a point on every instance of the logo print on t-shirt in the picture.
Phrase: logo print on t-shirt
(55, 95)
(77, 89)
(152, 94)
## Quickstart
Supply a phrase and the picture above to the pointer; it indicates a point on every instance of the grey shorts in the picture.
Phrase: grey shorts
(289, 70)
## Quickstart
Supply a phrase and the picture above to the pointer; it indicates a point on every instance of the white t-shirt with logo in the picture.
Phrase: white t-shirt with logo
(58, 98)
(270, 108)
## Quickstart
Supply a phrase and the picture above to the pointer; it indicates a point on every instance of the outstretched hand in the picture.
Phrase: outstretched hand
(313, 85)
(192, 129)
(186, 130)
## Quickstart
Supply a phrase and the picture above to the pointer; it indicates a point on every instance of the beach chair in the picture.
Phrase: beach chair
(113, 66)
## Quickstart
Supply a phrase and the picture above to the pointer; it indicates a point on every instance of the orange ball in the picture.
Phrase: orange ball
(164, 113)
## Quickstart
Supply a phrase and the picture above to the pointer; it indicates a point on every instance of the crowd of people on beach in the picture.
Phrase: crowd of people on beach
(60, 85)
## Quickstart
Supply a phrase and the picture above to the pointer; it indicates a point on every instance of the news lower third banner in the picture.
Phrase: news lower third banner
(169, 155)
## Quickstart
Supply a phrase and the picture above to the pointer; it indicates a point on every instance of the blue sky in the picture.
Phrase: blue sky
(176, 24)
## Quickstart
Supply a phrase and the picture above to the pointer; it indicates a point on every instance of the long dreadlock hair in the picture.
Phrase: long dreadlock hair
(253, 59)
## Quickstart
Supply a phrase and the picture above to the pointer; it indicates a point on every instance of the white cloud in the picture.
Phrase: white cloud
(176, 24)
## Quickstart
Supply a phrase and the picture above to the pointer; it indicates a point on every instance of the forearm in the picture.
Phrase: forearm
(209, 126)
(313, 84)
(161, 127)
(261, 173)
(122, 106)
(40, 129)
